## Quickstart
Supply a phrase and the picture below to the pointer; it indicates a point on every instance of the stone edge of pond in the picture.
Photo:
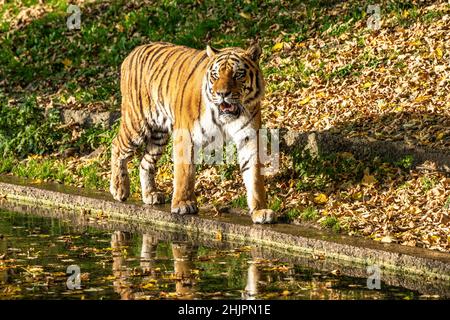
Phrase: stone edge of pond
(403, 260)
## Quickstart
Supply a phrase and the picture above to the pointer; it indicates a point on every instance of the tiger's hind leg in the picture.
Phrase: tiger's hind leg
(122, 148)
(147, 169)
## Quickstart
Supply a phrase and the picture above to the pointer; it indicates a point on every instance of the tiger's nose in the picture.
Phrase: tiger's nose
(223, 93)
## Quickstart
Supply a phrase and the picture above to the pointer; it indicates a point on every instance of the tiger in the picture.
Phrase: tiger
(193, 95)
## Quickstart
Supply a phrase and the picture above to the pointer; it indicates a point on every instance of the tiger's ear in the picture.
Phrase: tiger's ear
(211, 52)
(254, 52)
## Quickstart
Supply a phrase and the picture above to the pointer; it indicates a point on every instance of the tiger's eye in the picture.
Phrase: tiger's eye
(239, 75)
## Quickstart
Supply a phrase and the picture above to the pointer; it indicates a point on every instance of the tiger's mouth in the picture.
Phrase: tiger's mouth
(226, 108)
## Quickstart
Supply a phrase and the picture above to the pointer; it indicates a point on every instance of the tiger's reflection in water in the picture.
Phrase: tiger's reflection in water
(183, 254)
(254, 284)
(120, 242)
(184, 275)
(183, 266)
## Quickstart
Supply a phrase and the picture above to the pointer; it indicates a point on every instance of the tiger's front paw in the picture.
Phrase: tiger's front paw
(154, 197)
(184, 207)
(120, 187)
(263, 216)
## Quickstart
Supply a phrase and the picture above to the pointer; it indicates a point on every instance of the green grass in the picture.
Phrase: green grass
(331, 223)
(317, 173)
(291, 214)
(275, 204)
(431, 15)
(43, 169)
(311, 214)
(91, 177)
(27, 129)
(308, 214)
(427, 183)
(240, 202)
(93, 137)
(6, 164)
(406, 162)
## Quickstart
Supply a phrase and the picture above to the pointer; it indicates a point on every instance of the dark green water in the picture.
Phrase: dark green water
(35, 253)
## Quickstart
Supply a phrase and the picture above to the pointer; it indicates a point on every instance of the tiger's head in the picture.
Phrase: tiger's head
(233, 80)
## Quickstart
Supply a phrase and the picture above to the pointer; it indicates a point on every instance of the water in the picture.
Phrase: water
(36, 251)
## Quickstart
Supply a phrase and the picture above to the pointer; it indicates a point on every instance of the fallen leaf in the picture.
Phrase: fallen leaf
(245, 15)
(67, 63)
(219, 235)
(278, 46)
(321, 198)
(305, 101)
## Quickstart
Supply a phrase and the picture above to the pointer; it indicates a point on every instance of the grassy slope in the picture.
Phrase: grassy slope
(324, 68)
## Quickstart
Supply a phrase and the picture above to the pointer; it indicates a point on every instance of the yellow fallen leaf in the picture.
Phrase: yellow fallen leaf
(416, 43)
(420, 99)
(367, 85)
(67, 63)
(434, 239)
(321, 198)
(245, 15)
(440, 135)
(219, 235)
(278, 46)
(291, 183)
(148, 286)
(305, 101)
(172, 294)
(357, 195)
(34, 270)
(277, 113)
(34, 156)
(320, 94)
(398, 109)
(439, 52)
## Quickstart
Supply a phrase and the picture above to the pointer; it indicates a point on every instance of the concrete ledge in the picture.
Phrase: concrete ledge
(414, 264)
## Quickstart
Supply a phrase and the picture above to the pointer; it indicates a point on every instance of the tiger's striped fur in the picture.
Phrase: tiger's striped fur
(201, 94)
